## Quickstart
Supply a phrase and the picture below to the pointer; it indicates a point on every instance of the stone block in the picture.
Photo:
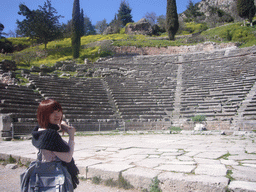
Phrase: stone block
(244, 173)
(11, 166)
(199, 127)
(107, 170)
(177, 168)
(140, 177)
(184, 182)
(238, 186)
(5, 125)
(212, 170)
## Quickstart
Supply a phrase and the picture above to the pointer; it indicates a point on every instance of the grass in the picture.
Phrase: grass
(25, 41)
(224, 156)
(154, 187)
(175, 129)
(9, 160)
(229, 175)
(120, 182)
(234, 32)
(123, 183)
(22, 80)
(96, 46)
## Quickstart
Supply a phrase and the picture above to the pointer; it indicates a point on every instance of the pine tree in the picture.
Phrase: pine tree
(124, 13)
(192, 11)
(246, 9)
(76, 29)
(172, 22)
(88, 27)
(41, 24)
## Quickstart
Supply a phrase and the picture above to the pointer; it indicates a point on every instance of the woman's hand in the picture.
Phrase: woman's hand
(69, 129)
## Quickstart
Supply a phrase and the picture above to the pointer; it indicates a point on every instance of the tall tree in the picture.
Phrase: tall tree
(76, 29)
(124, 13)
(67, 29)
(192, 11)
(161, 22)
(41, 24)
(101, 26)
(172, 22)
(115, 25)
(82, 23)
(1, 29)
(246, 9)
(151, 17)
(89, 29)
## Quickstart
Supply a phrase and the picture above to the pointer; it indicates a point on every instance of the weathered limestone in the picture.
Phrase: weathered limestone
(5, 125)
(238, 186)
(182, 182)
(180, 162)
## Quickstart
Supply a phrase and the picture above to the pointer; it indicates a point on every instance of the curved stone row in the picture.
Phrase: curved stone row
(168, 89)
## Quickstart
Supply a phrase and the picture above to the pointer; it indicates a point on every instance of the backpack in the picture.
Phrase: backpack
(46, 176)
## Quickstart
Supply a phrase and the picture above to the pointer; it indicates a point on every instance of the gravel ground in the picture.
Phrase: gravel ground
(10, 178)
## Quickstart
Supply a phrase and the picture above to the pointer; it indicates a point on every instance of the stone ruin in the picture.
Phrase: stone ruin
(142, 92)
(142, 27)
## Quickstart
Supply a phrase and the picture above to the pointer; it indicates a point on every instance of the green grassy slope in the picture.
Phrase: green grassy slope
(95, 46)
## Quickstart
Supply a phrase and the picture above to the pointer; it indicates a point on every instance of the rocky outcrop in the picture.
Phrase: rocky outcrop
(229, 6)
(142, 27)
(112, 29)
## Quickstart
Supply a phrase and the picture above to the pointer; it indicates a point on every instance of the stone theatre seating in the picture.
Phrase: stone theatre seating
(219, 85)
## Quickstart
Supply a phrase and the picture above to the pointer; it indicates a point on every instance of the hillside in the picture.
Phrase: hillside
(228, 6)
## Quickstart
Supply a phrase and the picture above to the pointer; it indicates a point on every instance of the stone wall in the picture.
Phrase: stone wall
(206, 47)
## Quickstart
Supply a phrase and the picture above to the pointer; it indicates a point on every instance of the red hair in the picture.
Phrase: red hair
(44, 111)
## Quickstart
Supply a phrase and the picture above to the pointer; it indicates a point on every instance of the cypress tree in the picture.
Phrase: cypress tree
(172, 22)
(1, 29)
(246, 9)
(76, 29)
(82, 23)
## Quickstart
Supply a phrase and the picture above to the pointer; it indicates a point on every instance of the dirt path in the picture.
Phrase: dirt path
(10, 178)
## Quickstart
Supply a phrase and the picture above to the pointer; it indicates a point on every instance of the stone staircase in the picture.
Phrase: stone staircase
(246, 114)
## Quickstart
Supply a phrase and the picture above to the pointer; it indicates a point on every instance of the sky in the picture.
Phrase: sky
(96, 10)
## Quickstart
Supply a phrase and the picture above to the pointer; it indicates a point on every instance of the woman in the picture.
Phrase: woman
(47, 139)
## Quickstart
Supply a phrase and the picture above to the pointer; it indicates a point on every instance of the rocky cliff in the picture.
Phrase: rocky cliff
(228, 6)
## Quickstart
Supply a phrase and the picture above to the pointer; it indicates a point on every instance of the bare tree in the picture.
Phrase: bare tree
(151, 17)
(101, 26)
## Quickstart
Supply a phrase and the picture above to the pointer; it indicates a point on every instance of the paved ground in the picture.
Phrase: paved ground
(9, 182)
(181, 162)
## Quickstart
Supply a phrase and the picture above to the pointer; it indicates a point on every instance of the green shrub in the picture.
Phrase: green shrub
(111, 183)
(122, 183)
(198, 118)
(96, 180)
(175, 129)
(122, 31)
(154, 187)
(193, 27)
(11, 159)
